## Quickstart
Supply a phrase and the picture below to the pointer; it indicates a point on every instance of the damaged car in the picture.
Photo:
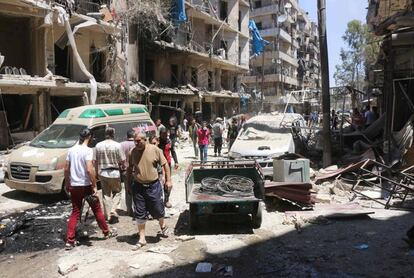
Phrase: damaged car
(266, 136)
(38, 167)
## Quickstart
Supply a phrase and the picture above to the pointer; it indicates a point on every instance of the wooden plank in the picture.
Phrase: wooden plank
(27, 117)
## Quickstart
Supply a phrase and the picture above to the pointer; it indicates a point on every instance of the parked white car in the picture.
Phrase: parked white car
(269, 135)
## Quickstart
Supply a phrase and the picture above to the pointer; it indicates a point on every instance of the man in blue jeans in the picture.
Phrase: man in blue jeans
(146, 187)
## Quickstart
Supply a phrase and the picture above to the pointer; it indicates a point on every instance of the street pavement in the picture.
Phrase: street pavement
(277, 249)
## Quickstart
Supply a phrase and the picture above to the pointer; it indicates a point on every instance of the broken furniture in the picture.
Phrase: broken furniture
(394, 183)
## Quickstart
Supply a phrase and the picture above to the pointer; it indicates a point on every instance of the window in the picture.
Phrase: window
(257, 4)
(240, 20)
(235, 83)
(174, 75)
(98, 134)
(210, 80)
(121, 129)
(194, 76)
(223, 10)
(97, 63)
(58, 136)
(259, 25)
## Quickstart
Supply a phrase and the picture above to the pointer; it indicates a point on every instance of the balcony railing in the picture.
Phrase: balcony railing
(85, 6)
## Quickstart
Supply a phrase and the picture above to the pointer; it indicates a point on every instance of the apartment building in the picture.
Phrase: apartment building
(291, 60)
(391, 78)
(39, 73)
(200, 65)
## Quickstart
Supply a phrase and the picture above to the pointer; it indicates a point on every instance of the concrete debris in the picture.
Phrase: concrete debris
(162, 249)
(185, 238)
(65, 268)
(204, 267)
(225, 270)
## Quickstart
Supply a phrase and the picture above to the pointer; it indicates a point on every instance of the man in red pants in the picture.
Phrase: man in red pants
(80, 181)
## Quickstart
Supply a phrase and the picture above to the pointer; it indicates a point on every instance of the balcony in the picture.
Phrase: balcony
(266, 10)
(273, 32)
(90, 6)
(269, 55)
(270, 78)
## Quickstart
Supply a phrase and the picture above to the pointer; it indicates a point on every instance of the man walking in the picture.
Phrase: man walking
(127, 147)
(109, 158)
(146, 186)
(165, 146)
(159, 126)
(232, 132)
(173, 130)
(192, 132)
(80, 181)
(203, 135)
(218, 136)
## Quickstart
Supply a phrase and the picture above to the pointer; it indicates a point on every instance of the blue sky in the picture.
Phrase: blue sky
(338, 14)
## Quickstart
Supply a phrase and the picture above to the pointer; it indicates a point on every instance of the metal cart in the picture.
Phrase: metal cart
(205, 204)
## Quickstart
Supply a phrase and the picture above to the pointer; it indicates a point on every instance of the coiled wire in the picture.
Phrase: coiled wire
(228, 186)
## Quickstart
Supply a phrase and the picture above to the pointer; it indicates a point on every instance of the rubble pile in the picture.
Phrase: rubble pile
(37, 229)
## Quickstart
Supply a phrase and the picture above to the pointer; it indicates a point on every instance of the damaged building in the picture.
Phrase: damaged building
(392, 76)
(291, 59)
(41, 74)
(195, 63)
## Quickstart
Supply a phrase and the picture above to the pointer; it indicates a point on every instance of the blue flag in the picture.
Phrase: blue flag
(258, 43)
(179, 11)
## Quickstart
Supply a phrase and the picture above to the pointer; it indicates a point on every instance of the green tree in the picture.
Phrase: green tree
(357, 56)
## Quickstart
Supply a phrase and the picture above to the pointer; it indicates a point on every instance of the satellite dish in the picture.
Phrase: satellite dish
(288, 5)
(282, 18)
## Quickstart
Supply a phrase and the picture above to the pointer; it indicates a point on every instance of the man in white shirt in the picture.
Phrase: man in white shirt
(109, 157)
(80, 181)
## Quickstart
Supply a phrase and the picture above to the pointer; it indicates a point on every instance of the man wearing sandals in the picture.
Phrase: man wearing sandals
(80, 181)
(146, 187)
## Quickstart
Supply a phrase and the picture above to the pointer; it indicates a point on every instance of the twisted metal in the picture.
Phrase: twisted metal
(228, 186)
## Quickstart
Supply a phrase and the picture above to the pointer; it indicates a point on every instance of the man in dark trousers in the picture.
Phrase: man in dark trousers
(80, 181)
(146, 187)
(127, 147)
(165, 146)
(173, 130)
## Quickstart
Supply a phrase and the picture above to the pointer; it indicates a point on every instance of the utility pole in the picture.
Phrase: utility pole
(326, 106)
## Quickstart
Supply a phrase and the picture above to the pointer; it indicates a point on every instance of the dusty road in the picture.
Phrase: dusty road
(328, 249)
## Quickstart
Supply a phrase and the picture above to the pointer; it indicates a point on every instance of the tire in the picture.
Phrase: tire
(257, 216)
(193, 217)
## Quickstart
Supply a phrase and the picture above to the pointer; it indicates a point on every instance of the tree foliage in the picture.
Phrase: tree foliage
(357, 57)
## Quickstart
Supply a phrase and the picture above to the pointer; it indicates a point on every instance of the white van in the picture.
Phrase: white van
(39, 166)
(266, 136)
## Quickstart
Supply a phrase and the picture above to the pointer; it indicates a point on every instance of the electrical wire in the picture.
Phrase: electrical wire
(228, 186)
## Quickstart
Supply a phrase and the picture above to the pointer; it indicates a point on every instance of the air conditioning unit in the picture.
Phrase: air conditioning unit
(291, 170)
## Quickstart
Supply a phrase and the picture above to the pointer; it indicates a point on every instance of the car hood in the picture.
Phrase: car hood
(281, 144)
(36, 156)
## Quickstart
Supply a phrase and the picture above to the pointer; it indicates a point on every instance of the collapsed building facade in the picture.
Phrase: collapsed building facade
(291, 59)
(196, 63)
(42, 73)
(392, 21)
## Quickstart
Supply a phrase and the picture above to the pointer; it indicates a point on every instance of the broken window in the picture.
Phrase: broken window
(257, 4)
(240, 55)
(235, 83)
(174, 75)
(194, 76)
(240, 20)
(148, 72)
(210, 80)
(223, 10)
(259, 25)
(97, 64)
(62, 62)
(223, 45)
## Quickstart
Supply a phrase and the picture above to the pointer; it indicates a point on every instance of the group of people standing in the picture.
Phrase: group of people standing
(359, 120)
(144, 168)
(202, 134)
